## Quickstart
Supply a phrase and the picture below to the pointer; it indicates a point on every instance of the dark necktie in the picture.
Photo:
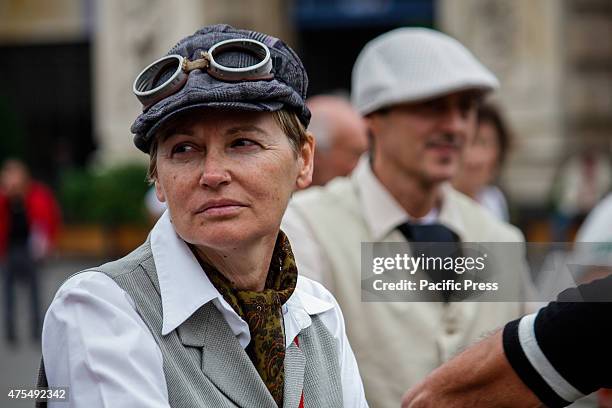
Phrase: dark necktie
(421, 237)
(427, 233)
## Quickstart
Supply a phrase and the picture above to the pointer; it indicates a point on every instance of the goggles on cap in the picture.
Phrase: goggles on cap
(179, 67)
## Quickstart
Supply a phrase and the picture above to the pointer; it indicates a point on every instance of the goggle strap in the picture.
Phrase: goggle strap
(200, 63)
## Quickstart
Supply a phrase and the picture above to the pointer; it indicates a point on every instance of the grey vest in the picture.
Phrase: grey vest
(204, 364)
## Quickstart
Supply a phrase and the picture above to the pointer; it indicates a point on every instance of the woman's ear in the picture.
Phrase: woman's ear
(305, 162)
(159, 191)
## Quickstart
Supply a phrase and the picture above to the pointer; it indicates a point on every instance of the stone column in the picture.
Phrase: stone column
(268, 16)
(521, 41)
(129, 35)
(588, 88)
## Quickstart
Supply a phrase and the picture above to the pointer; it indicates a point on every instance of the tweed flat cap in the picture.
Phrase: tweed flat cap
(287, 89)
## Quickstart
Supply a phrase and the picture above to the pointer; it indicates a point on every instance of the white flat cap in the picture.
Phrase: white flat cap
(414, 64)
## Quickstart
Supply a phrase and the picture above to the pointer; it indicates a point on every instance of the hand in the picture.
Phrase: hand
(39, 244)
(604, 398)
(481, 376)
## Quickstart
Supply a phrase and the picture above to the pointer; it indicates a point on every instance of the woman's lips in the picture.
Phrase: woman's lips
(220, 208)
(224, 210)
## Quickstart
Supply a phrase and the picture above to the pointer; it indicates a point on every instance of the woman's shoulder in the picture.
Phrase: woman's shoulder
(98, 284)
(93, 327)
(84, 296)
(88, 283)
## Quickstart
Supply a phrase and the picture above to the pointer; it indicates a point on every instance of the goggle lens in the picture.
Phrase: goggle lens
(229, 60)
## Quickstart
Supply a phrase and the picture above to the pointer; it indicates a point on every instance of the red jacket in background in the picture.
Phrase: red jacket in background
(42, 212)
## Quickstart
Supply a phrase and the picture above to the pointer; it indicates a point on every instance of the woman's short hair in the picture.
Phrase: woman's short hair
(288, 122)
(490, 113)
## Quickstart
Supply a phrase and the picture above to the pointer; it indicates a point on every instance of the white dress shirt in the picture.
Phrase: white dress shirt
(95, 342)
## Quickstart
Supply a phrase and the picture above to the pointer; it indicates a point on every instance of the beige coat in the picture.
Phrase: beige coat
(396, 343)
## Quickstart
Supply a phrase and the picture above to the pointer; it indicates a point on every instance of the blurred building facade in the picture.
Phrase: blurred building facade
(554, 59)
(45, 84)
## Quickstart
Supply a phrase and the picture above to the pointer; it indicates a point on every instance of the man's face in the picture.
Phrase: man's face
(14, 179)
(424, 140)
(350, 141)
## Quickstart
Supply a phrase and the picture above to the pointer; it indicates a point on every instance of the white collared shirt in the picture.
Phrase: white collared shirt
(95, 342)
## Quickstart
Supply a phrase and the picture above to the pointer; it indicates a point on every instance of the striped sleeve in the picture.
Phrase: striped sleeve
(562, 352)
(526, 371)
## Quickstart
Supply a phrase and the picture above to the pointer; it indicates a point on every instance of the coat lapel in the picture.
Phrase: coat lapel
(224, 361)
(295, 362)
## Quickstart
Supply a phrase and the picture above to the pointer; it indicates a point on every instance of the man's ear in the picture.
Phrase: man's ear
(373, 124)
(306, 162)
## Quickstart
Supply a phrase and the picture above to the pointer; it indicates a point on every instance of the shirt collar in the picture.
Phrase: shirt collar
(184, 288)
(297, 311)
(383, 213)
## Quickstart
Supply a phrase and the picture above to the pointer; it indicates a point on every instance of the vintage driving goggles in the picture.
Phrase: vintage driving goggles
(178, 68)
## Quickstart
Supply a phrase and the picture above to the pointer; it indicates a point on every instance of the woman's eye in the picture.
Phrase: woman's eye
(182, 148)
(243, 143)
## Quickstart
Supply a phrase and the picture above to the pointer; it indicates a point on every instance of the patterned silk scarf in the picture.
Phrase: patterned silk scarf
(262, 311)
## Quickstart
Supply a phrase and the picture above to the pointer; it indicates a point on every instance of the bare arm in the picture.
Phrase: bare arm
(481, 376)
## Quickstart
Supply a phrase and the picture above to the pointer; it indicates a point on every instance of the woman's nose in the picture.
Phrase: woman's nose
(214, 172)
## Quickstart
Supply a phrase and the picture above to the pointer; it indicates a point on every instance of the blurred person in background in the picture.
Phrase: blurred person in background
(597, 227)
(210, 311)
(482, 161)
(340, 134)
(418, 90)
(593, 243)
(582, 181)
(29, 222)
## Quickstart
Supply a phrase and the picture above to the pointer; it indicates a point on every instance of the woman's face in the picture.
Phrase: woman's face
(480, 160)
(227, 177)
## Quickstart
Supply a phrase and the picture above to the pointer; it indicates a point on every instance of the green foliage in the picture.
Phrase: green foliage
(77, 196)
(111, 197)
(13, 134)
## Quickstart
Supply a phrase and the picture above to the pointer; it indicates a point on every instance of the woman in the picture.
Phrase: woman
(482, 161)
(210, 311)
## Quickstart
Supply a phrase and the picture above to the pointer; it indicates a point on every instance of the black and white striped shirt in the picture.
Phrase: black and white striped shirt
(562, 352)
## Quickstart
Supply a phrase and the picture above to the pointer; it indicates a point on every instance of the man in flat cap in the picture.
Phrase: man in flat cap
(418, 90)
